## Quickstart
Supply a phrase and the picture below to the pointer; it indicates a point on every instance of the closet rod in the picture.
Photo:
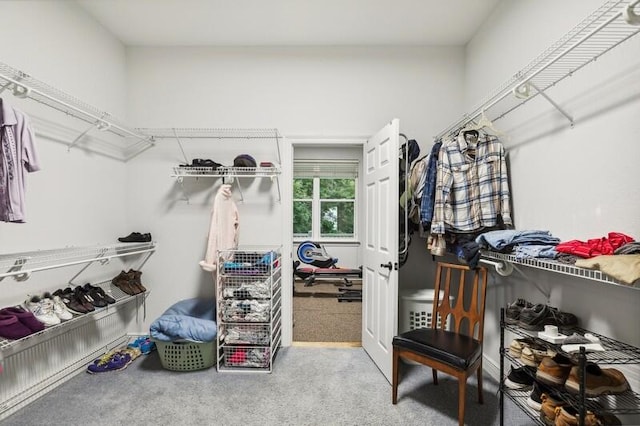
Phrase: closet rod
(599, 47)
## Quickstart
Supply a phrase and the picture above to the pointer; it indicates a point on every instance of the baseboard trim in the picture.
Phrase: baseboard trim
(489, 366)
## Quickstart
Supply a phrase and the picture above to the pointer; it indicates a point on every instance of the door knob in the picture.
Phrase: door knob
(388, 265)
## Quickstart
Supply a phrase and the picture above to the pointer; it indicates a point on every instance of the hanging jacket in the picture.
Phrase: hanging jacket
(223, 231)
(17, 156)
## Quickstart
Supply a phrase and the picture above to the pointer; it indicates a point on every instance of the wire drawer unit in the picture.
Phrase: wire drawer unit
(249, 302)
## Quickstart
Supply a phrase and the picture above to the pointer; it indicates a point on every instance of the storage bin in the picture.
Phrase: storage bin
(416, 309)
(245, 356)
(186, 356)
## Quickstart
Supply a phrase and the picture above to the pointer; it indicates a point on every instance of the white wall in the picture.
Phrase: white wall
(309, 92)
(578, 183)
(77, 198)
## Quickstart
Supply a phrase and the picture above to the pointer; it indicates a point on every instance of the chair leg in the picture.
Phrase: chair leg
(479, 374)
(435, 376)
(394, 378)
(462, 388)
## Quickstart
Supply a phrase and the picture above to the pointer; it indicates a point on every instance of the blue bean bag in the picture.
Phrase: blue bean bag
(189, 319)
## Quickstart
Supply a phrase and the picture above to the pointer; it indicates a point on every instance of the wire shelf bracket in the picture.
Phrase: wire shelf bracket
(23, 86)
(610, 25)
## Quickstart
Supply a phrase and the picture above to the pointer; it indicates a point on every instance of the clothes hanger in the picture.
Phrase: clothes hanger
(483, 124)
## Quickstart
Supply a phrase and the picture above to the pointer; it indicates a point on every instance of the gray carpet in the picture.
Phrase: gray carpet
(309, 386)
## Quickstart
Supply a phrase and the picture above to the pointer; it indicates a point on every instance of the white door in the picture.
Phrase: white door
(380, 256)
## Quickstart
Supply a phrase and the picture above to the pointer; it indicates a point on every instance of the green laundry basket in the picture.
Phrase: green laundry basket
(186, 356)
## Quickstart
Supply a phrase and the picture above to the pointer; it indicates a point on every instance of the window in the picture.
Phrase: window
(324, 200)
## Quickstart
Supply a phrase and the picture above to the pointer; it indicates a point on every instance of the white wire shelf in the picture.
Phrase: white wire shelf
(210, 133)
(224, 171)
(21, 265)
(8, 346)
(22, 85)
(554, 266)
(600, 32)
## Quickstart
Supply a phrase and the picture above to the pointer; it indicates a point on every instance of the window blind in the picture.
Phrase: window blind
(325, 169)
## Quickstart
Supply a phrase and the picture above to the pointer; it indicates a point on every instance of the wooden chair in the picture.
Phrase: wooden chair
(457, 352)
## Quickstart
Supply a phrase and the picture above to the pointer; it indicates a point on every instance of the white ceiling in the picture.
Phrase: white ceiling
(290, 22)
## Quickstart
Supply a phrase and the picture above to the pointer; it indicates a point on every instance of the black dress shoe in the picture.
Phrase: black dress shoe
(136, 237)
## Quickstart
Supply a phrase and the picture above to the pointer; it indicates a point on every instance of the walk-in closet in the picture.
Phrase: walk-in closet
(283, 212)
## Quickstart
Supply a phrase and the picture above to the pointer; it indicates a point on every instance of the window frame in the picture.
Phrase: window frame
(316, 219)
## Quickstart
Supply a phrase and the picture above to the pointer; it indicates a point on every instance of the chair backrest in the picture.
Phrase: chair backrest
(467, 313)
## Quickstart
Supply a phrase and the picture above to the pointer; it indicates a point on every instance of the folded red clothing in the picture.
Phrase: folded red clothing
(595, 246)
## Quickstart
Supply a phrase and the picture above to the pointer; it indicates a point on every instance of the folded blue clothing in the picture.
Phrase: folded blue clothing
(190, 319)
(535, 251)
(500, 240)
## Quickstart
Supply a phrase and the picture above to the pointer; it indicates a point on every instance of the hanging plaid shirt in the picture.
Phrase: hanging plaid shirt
(472, 188)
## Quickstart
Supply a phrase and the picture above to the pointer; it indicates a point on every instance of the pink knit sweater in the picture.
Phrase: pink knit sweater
(223, 231)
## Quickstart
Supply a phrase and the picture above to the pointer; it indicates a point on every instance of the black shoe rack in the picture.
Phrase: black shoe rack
(615, 353)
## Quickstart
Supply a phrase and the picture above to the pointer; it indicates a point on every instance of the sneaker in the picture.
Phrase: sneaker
(42, 309)
(569, 416)
(111, 361)
(136, 237)
(83, 298)
(548, 409)
(512, 313)
(517, 345)
(144, 343)
(520, 378)
(534, 354)
(537, 316)
(553, 371)
(598, 381)
(70, 301)
(95, 295)
(59, 308)
(535, 397)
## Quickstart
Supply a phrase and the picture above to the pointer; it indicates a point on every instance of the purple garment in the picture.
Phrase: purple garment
(17, 156)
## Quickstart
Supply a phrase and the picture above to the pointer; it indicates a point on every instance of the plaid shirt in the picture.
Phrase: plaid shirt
(471, 191)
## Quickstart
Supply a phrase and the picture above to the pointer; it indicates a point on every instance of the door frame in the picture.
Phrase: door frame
(291, 142)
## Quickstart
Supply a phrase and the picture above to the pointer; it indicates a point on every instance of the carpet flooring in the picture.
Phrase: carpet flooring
(323, 319)
(308, 386)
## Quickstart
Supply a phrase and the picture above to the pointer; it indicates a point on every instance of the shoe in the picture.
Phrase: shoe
(569, 416)
(537, 316)
(42, 309)
(59, 308)
(517, 345)
(94, 296)
(135, 281)
(12, 328)
(83, 298)
(512, 313)
(98, 292)
(520, 378)
(548, 409)
(534, 354)
(535, 397)
(144, 344)
(123, 282)
(70, 301)
(205, 162)
(136, 237)
(25, 317)
(597, 381)
(554, 371)
(111, 361)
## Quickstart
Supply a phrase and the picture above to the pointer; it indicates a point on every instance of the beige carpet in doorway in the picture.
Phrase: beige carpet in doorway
(324, 319)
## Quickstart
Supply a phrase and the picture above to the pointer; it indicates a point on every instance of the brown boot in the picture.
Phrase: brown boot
(135, 280)
(123, 282)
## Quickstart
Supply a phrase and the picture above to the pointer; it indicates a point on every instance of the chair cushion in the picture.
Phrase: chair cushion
(457, 350)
